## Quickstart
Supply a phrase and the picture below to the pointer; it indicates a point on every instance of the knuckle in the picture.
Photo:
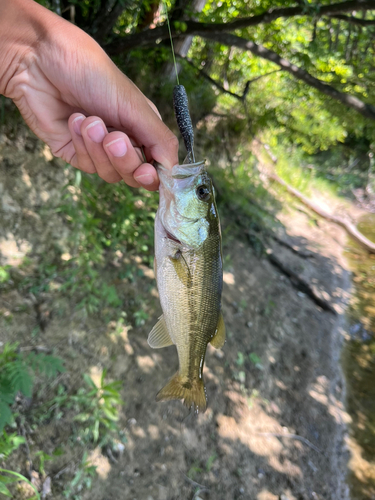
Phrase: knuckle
(110, 177)
(172, 141)
(89, 169)
(83, 162)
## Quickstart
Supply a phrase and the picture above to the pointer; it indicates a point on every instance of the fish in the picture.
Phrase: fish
(188, 267)
(189, 274)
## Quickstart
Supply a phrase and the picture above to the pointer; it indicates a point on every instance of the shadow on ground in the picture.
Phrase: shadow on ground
(275, 423)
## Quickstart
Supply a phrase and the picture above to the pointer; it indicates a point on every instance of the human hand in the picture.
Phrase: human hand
(78, 102)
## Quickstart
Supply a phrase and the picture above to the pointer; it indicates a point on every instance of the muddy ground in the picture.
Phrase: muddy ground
(275, 425)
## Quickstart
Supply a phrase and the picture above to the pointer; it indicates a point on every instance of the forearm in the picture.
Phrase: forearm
(24, 25)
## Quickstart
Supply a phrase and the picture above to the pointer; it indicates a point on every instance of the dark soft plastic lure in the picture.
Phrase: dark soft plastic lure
(181, 111)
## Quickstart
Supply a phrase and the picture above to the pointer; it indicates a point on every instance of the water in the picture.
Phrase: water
(359, 367)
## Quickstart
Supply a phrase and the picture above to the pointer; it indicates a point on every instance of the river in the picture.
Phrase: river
(359, 366)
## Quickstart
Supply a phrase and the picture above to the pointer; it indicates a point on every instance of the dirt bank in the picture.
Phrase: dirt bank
(275, 426)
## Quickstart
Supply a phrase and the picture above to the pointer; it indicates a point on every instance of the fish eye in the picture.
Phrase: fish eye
(203, 192)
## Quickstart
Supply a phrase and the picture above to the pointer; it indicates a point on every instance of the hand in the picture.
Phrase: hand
(79, 103)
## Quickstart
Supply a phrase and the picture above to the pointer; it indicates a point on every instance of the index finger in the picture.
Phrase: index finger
(139, 120)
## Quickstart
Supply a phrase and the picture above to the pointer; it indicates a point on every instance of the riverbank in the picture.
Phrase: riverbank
(275, 427)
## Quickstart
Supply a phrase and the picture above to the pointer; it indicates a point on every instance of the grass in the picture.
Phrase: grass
(93, 413)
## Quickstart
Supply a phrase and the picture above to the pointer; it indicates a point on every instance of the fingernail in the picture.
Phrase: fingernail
(77, 124)
(96, 131)
(117, 147)
(145, 180)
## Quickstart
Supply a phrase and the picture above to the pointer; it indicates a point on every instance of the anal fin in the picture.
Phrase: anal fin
(218, 339)
(159, 336)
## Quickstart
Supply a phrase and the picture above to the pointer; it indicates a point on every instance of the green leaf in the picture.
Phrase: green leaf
(89, 381)
(5, 415)
(95, 431)
(22, 478)
(3, 489)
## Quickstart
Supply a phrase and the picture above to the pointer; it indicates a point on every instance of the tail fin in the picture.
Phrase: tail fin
(191, 391)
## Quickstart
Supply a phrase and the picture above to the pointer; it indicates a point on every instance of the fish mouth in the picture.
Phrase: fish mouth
(171, 237)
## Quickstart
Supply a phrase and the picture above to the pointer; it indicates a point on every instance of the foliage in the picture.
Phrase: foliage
(4, 274)
(106, 220)
(17, 374)
(242, 198)
(95, 410)
(8, 477)
(8, 444)
(82, 479)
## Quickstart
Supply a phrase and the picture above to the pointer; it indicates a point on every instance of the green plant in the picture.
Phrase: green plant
(140, 317)
(106, 221)
(270, 306)
(43, 458)
(96, 410)
(194, 471)
(99, 409)
(82, 480)
(210, 462)
(10, 476)
(4, 274)
(8, 444)
(255, 359)
(17, 373)
(240, 359)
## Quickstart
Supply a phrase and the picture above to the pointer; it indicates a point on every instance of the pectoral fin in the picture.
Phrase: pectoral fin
(219, 338)
(182, 269)
(159, 336)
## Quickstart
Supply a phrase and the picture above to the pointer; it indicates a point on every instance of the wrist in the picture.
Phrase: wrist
(24, 25)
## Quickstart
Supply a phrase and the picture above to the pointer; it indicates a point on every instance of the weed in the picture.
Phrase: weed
(210, 462)
(10, 476)
(4, 275)
(96, 410)
(17, 372)
(82, 480)
(252, 398)
(105, 219)
(255, 359)
(242, 305)
(240, 359)
(8, 444)
(140, 317)
(43, 458)
(241, 377)
(270, 306)
(194, 471)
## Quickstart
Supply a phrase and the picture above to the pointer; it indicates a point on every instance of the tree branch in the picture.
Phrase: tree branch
(218, 32)
(213, 82)
(150, 37)
(354, 20)
(220, 87)
(366, 110)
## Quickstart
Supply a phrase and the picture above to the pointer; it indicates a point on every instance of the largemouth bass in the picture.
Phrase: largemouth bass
(189, 274)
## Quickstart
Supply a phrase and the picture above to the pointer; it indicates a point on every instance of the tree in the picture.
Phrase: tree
(313, 48)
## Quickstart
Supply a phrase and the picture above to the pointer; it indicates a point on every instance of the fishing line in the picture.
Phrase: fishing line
(171, 39)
